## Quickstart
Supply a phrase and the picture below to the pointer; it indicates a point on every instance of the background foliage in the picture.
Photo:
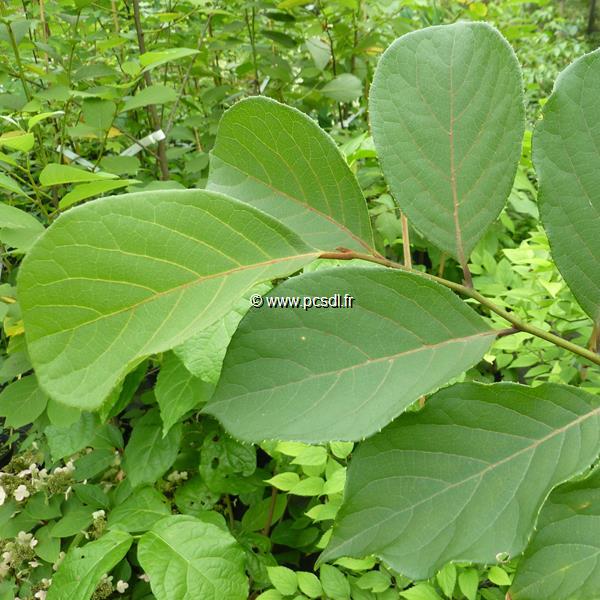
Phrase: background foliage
(81, 82)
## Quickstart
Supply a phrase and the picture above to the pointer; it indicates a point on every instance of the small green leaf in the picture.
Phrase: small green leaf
(335, 585)
(82, 568)
(498, 576)
(262, 512)
(468, 582)
(140, 511)
(151, 60)
(178, 391)
(309, 584)
(17, 140)
(284, 481)
(148, 455)
(94, 188)
(55, 174)
(446, 578)
(343, 88)
(189, 559)
(33, 121)
(421, 591)
(7, 183)
(311, 486)
(18, 229)
(22, 402)
(154, 94)
(66, 440)
(283, 579)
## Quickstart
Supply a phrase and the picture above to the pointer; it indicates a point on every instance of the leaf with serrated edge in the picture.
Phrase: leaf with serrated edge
(562, 562)
(344, 373)
(465, 478)
(124, 277)
(189, 559)
(447, 113)
(566, 154)
(82, 568)
(279, 160)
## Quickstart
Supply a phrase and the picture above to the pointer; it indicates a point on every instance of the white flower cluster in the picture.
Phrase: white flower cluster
(33, 478)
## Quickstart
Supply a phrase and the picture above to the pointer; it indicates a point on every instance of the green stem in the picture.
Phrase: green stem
(471, 293)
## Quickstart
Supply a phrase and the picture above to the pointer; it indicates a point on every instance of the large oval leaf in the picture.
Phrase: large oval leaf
(464, 478)
(447, 114)
(124, 277)
(279, 160)
(188, 559)
(562, 561)
(343, 373)
(566, 154)
(82, 569)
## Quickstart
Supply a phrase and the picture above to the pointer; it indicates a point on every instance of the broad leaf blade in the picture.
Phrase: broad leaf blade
(188, 559)
(566, 154)
(279, 160)
(140, 511)
(465, 478)
(447, 114)
(562, 561)
(121, 278)
(82, 569)
(344, 373)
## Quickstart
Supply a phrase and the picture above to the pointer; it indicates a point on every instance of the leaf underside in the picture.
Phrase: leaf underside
(562, 561)
(465, 478)
(344, 373)
(566, 154)
(447, 115)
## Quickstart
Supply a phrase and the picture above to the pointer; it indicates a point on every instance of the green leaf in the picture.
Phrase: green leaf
(566, 154)
(154, 94)
(446, 108)
(309, 584)
(562, 561)
(319, 51)
(65, 441)
(94, 188)
(148, 455)
(279, 160)
(116, 280)
(284, 580)
(98, 114)
(284, 481)
(18, 229)
(498, 576)
(343, 88)
(178, 391)
(203, 353)
(82, 568)
(33, 121)
(55, 174)
(139, 511)
(343, 373)
(421, 591)
(22, 402)
(465, 478)
(188, 559)
(262, 512)
(7, 183)
(335, 585)
(17, 140)
(76, 518)
(151, 60)
(468, 582)
(446, 579)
